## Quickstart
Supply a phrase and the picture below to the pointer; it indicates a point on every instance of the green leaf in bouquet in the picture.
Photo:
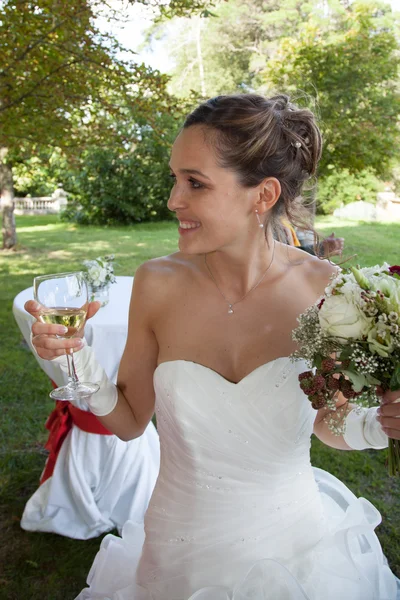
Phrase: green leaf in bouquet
(359, 380)
(318, 361)
(360, 278)
(345, 353)
(372, 380)
(395, 379)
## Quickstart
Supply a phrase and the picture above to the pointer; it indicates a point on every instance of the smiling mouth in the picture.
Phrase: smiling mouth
(189, 225)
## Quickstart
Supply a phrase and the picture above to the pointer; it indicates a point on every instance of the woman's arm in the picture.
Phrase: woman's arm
(125, 409)
(135, 406)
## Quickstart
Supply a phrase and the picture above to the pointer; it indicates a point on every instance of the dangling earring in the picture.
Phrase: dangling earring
(259, 220)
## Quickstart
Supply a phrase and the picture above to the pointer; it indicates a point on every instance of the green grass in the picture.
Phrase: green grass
(48, 567)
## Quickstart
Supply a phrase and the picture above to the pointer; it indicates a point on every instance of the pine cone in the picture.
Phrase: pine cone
(327, 365)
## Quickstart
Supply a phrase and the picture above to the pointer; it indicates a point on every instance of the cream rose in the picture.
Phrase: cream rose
(390, 287)
(340, 318)
(380, 341)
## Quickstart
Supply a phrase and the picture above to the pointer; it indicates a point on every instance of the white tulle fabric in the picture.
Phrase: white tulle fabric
(238, 513)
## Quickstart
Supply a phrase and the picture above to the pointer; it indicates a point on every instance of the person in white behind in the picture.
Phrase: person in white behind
(238, 512)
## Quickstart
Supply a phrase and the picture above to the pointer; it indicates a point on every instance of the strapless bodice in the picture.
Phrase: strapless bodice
(254, 434)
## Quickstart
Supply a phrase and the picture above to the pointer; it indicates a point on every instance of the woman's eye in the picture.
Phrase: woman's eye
(196, 185)
(173, 177)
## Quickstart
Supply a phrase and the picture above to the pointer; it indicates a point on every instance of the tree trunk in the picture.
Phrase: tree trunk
(7, 203)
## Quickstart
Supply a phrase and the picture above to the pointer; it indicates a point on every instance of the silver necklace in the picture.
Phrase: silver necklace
(232, 304)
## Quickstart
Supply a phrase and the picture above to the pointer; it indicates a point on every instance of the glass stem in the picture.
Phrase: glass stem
(72, 376)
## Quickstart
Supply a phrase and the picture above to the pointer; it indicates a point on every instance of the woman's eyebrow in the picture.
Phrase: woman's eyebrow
(193, 172)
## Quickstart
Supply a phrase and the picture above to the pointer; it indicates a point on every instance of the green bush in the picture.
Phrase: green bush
(123, 185)
(343, 187)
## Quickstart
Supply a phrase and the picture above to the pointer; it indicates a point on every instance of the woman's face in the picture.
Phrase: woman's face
(214, 210)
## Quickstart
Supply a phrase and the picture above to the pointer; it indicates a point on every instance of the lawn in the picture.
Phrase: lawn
(49, 567)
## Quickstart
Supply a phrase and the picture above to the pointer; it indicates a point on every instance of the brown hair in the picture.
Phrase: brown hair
(261, 137)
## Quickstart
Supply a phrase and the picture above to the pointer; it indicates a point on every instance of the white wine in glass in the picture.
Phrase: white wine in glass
(64, 301)
(72, 318)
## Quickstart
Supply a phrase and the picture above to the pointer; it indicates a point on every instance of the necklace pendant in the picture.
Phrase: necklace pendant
(230, 310)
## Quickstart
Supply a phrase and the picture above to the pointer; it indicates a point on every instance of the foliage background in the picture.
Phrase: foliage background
(340, 59)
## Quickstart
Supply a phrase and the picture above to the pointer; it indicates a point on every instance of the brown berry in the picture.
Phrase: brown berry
(327, 365)
(317, 401)
(345, 385)
(349, 394)
(306, 375)
(333, 383)
(306, 385)
(319, 382)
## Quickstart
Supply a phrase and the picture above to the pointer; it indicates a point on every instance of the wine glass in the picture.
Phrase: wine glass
(64, 301)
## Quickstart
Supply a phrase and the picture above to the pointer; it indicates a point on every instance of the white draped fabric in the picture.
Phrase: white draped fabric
(238, 512)
(99, 481)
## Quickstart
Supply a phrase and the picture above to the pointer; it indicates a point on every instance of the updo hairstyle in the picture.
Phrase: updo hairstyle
(261, 137)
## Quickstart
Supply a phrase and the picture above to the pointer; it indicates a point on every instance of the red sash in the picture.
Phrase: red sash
(59, 424)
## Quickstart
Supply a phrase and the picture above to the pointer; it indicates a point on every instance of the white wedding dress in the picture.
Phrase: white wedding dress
(238, 512)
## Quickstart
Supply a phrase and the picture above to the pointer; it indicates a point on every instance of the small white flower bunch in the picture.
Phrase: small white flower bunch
(100, 271)
(351, 342)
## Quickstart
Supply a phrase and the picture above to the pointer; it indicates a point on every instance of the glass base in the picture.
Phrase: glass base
(69, 392)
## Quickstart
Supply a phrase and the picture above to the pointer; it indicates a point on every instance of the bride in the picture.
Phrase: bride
(237, 512)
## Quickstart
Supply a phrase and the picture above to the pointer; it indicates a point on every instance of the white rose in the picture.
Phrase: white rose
(340, 318)
(94, 273)
(103, 275)
(351, 290)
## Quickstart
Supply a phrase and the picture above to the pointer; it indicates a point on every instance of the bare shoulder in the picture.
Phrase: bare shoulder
(160, 275)
(164, 266)
(316, 271)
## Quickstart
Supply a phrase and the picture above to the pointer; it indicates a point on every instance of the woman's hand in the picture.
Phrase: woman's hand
(389, 413)
(44, 339)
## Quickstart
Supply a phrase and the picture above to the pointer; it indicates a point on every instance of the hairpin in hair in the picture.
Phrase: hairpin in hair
(296, 144)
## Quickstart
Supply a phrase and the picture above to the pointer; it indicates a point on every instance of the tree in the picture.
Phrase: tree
(351, 72)
(237, 38)
(341, 58)
(58, 72)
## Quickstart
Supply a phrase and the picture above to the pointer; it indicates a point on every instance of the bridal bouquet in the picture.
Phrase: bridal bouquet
(351, 341)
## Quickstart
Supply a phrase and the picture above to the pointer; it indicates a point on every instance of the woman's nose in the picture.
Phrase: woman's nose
(176, 198)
